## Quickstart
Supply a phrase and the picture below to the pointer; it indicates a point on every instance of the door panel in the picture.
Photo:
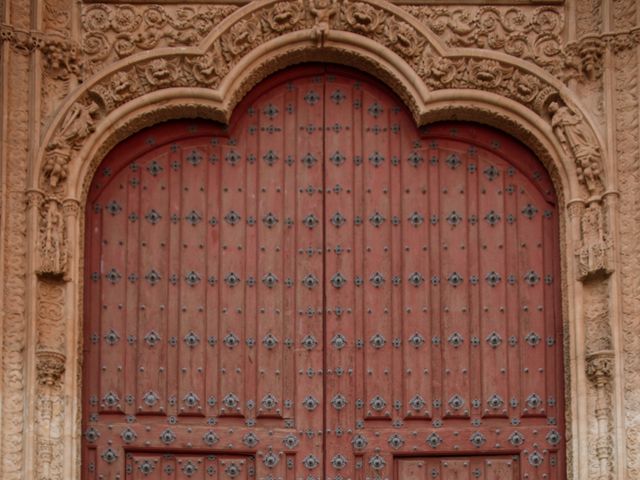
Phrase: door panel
(322, 290)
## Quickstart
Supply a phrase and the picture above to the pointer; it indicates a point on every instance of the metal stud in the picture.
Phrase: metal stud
(232, 217)
(230, 400)
(493, 278)
(339, 462)
(338, 280)
(269, 341)
(553, 437)
(377, 403)
(395, 441)
(456, 402)
(534, 401)
(495, 401)
(529, 211)
(309, 342)
(231, 279)
(377, 279)
(310, 462)
(269, 280)
(337, 158)
(232, 157)
(150, 398)
(231, 340)
(416, 340)
(270, 157)
(376, 159)
(415, 159)
(154, 168)
(310, 221)
(210, 438)
(109, 455)
(455, 339)
(492, 218)
(192, 278)
(535, 459)
(477, 439)
(454, 218)
(417, 402)
(532, 278)
(359, 442)
(434, 440)
(377, 462)
(339, 401)
(310, 281)
(377, 341)
(191, 400)
(311, 97)
(416, 219)
(494, 340)
(167, 437)
(339, 341)
(269, 402)
(455, 279)
(310, 403)
(416, 279)
(270, 220)
(377, 219)
(338, 220)
(290, 441)
(491, 172)
(453, 160)
(532, 339)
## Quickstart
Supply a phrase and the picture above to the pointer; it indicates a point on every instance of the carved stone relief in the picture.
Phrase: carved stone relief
(385, 26)
(113, 32)
(106, 34)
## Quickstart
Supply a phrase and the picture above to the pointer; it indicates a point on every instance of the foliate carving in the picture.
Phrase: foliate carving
(384, 25)
(578, 142)
(595, 252)
(52, 239)
(532, 34)
(61, 55)
(49, 368)
(115, 32)
(600, 366)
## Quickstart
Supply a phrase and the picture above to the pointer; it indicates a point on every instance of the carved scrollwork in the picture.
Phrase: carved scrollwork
(118, 31)
(386, 25)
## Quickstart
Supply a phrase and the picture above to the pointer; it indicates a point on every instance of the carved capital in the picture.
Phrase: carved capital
(34, 199)
(50, 367)
(599, 367)
(70, 207)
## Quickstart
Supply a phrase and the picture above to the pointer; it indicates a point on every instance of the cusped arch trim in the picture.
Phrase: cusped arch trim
(262, 37)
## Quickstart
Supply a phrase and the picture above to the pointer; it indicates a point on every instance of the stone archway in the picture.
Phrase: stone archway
(209, 80)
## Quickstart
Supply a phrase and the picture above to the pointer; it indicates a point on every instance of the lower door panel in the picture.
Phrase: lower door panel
(503, 467)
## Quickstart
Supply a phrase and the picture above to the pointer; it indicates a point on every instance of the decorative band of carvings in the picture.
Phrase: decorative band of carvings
(390, 27)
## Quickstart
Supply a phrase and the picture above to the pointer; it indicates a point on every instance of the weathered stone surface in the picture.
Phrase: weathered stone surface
(77, 78)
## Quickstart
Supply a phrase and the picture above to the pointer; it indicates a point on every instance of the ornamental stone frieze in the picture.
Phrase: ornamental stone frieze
(410, 45)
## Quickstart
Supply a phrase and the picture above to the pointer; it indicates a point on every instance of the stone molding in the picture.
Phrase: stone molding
(208, 75)
(316, 25)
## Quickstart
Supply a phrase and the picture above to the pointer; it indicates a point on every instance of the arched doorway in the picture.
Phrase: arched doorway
(322, 290)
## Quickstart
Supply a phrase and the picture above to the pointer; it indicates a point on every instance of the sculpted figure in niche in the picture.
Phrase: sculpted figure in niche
(323, 11)
(577, 141)
(52, 241)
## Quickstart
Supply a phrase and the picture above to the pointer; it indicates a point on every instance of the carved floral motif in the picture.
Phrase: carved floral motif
(112, 32)
(274, 19)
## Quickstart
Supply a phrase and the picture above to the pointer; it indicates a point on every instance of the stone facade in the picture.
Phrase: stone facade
(78, 77)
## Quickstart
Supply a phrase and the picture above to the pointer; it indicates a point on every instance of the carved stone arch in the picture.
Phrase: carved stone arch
(373, 35)
(207, 81)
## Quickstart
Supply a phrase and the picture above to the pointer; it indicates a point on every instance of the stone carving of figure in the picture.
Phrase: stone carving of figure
(78, 125)
(52, 241)
(323, 11)
(577, 141)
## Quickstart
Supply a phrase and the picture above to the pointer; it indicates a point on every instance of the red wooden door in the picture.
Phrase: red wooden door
(321, 290)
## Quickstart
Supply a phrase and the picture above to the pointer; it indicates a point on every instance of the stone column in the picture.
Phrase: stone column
(600, 366)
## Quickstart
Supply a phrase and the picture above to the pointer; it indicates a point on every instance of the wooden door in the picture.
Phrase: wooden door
(321, 290)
